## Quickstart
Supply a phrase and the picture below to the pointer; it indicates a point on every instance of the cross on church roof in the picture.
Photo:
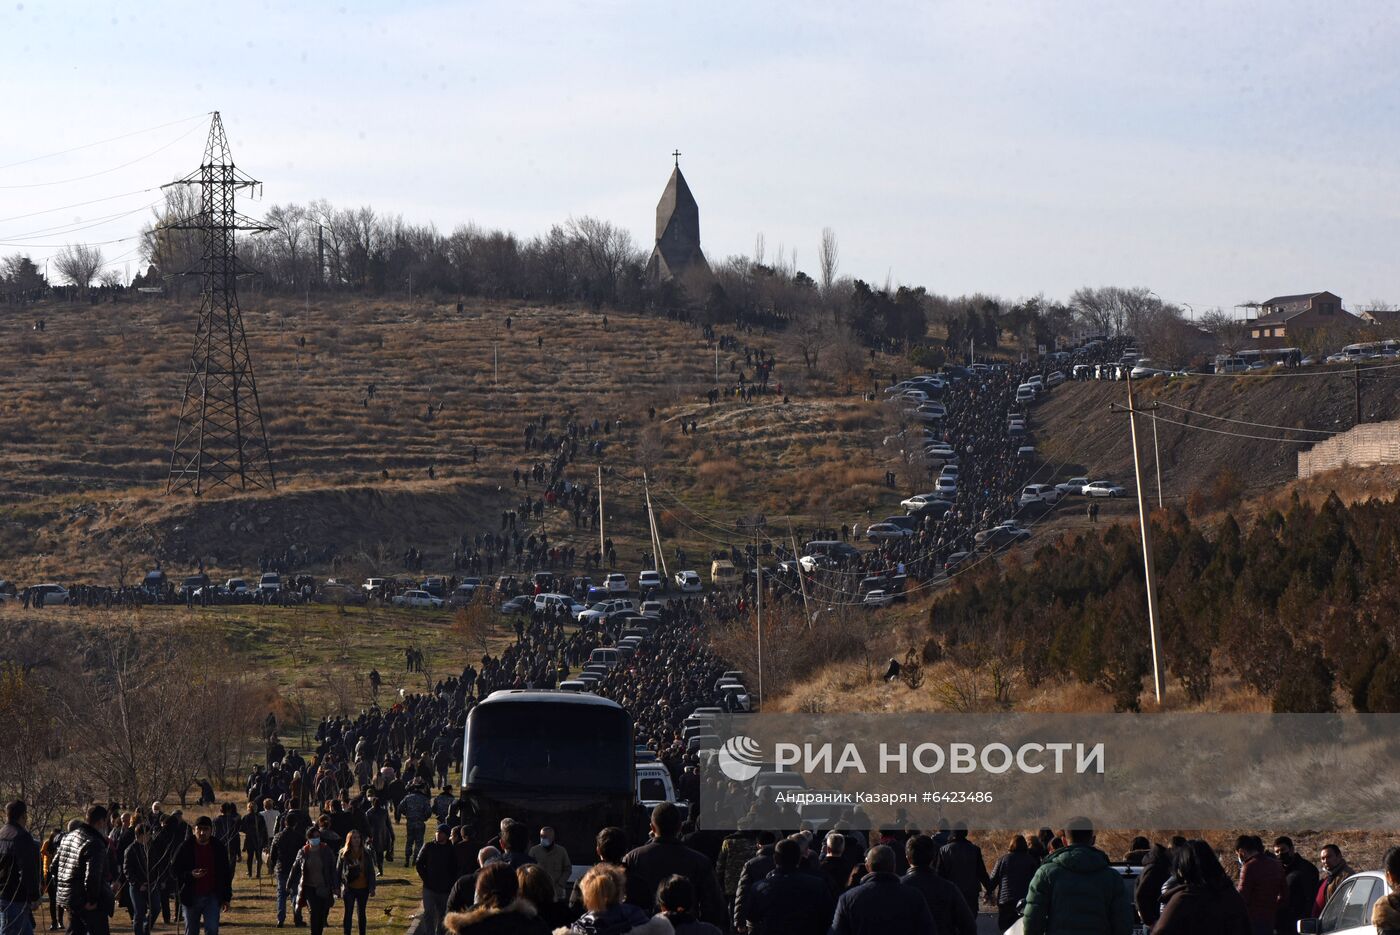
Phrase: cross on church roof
(677, 155)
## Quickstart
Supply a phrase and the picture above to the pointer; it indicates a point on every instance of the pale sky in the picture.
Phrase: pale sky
(1215, 152)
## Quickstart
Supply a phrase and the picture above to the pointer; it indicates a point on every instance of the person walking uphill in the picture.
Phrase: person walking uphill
(20, 880)
(82, 873)
(204, 878)
(1076, 891)
(315, 866)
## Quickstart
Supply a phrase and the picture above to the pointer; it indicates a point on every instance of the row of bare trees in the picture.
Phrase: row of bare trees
(113, 712)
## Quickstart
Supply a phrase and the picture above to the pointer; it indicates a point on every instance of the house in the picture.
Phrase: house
(1284, 318)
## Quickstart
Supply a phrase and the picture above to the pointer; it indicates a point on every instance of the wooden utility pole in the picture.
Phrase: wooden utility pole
(602, 553)
(1356, 385)
(801, 581)
(1149, 568)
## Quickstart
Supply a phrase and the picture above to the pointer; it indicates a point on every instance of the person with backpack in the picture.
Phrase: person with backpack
(315, 868)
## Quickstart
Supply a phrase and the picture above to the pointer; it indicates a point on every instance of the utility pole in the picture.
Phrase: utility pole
(1157, 460)
(495, 363)
(801, 581)
(602, 554)
(1356, 381)
(758, 580)
(660, 560)
(1149, 568)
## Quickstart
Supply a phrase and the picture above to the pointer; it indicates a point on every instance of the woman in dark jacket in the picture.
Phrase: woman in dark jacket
(1011, 879)
(1202, 900)
(1385, 915)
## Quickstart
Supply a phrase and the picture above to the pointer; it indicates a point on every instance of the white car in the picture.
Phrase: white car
(919, 500)
(1039, 493)
(1102, 488)
(877, 598)
(1075, 485)
(1348, 912)
(603, 608)
(938, 410)
(616, 583)
(417, 599)
(887, 531)
(688, 582)
(949, 470)
(270, 583)
(649, 581)
(946, 485)
(1055, 379)
(651, 609)
(53, 594)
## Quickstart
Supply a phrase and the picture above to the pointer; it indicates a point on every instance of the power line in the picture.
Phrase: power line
(94, 175)
(1257, 425)
(49, 246)
(80, 204)
(112, 139)
(1262, 438)
(63, 230)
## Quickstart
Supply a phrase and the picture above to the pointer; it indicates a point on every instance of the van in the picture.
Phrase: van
(654, 784)
(603, 655)
(723, 574)
(1231, 365)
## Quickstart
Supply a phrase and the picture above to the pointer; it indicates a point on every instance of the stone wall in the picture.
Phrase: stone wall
(1372, 443)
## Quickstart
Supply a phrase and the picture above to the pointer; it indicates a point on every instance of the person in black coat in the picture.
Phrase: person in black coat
(951, 913)
(1147, 892)
(649, 865)
(203, 876)
(960, 861)
(136, 871)
(880, 904)
(755, 869)
(1011, 879)
(1300, 883)
(789, 899)
(21, 879)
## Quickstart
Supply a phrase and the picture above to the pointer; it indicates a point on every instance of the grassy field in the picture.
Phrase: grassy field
(91, 404)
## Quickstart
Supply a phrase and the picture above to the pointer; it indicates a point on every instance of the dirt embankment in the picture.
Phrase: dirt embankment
(1076, 429)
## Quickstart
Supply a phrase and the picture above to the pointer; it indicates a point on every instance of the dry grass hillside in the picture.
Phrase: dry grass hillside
(1077, 431)
(91, 403)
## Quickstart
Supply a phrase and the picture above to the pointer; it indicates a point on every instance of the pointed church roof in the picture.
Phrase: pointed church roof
(677, 231)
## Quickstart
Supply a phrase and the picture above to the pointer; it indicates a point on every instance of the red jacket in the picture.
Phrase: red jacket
(1262, 886)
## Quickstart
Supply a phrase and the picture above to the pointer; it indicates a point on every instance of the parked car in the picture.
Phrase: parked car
(417, 598)
(616, 583)
(237, 587)
(946, 485)
(462, 595)
(723, 574)
(935, 508)
(601, 609)
(48, 595)
(1055, 378)
(1075, 485)
(520, 604)
(1039, 493)
(652, 609)
(270, 583)
(1348, 912)
(877, 598)
(920, 500)
(1002, 534)
(1102, 488)
(887, 531)
(954, 561)
(649, 581)
(688, 582)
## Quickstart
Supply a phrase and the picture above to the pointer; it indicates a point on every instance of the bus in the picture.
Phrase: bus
(1370, 350)
(558, 758)
(1252, 358)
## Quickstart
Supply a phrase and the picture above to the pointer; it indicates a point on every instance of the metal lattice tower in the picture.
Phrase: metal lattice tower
(220, 440)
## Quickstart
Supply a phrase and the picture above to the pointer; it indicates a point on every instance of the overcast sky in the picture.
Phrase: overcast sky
(1216, 152)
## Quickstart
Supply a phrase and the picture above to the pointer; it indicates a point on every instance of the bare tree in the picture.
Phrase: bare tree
(828, 257)
(1230, 333)
(79, 264)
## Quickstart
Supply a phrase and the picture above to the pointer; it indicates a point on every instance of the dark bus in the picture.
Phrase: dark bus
(558, 758)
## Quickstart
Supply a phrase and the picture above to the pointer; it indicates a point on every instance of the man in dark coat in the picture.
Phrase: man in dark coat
(649, 865)
(880, 905)
(755, 869)
(437, 868)
(1147, 892)
(960, 862)
(204, 877)
(83, 875)
(20, 876)
(789, 899)
(951, 913)
(1300, 882)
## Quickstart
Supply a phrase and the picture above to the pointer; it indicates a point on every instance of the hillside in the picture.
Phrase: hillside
(1078, 433)
(91, 403)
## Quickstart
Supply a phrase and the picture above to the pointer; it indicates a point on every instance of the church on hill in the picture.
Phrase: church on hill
(677, 255)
